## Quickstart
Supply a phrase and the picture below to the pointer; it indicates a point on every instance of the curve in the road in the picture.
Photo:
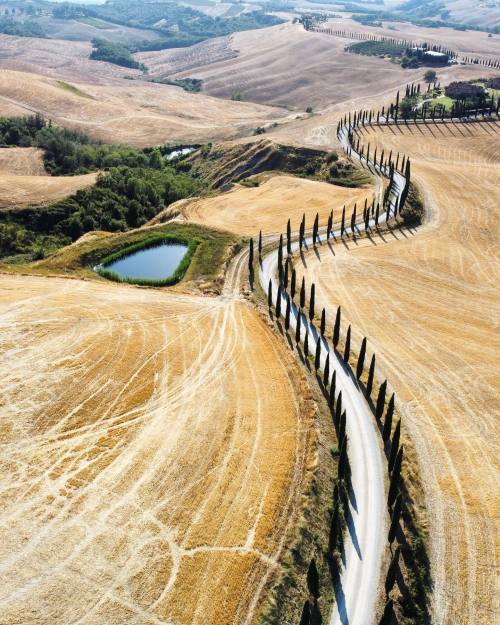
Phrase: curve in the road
(357, 590)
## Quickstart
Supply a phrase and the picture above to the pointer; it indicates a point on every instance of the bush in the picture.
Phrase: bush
(464, 91)
(114, 53)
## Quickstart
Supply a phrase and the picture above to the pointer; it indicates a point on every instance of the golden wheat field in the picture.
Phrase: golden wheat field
(154, 448)
(267, 207)
(428, 302)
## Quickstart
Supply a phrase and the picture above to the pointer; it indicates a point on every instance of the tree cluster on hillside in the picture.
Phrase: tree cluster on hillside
(138, 185)
(179, 25)
(459, 90)
(68, 151)
(115, 53)
(20, 28)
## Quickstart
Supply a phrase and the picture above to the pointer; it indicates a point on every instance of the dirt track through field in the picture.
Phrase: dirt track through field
(428, 303)
(153, 449)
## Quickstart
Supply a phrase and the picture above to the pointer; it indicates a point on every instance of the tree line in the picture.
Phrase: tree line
(405, 43)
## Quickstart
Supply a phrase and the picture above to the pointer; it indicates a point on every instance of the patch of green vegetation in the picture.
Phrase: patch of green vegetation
(68, 152)
(153, 240)
(21, 28)
(377, 48)
(115, 53)
(179, 25)
(212, 250)
(413, 211)
(72, 89)
(191, 85)
(91, 21)
(137, 186)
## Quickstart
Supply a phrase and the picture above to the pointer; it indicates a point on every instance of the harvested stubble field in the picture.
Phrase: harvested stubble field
(154, 448)
(428, 302)
(286, 66)
(24, 182)
(133, 112)
(267, 207)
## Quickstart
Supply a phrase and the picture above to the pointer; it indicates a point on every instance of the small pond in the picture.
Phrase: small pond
(153, 263)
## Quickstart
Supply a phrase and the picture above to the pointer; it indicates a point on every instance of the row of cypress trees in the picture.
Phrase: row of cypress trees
(288, 290)
(494, 63)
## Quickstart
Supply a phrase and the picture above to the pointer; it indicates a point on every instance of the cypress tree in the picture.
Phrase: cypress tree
(313, 579)
(285, 275)
(303, 293)
(311, 302)
(293, 283)
(334, 528)
(289, 238)
(326, 371)
(329, 226)
(395, 477)
(342, 224)
(392, 572)
(280, 258)
(396, 513)
(361, 358)
(371, 374)
(260, 245)
(342, 425)
(315, 228)
(306, 344)
(316, 618)
(347, 350)
(287, 313)
(386, 433)
(323, 322)
(297, 327)
(331, 396)
(336, 329)
(388, 615)
(379, 409)
(270, 294)
(305, 619)
(342, 457)
(278, 303)
(338, 410)
(394, 445)
(317, 357)
(250, 256)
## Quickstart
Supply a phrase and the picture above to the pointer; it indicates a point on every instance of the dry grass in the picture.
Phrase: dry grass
(153, 449)
(22, 161)
(428, 302)
(246, 210)
(286, 66)
(24, 182)
(133, 112)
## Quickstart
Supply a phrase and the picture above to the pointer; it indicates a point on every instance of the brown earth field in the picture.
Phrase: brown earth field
(154, 452)
(246, 210)
(136, 113)
(24, 182)
(428, 302)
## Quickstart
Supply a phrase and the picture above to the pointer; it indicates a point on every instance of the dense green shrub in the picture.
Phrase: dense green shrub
(115, 53)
